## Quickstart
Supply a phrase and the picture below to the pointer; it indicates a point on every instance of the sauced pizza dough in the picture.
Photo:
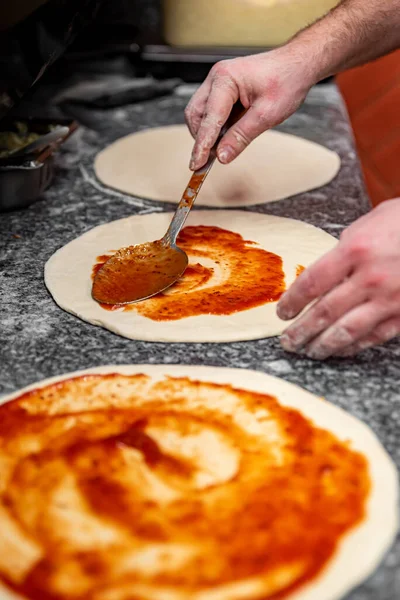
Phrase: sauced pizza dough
(187, 483)
(239, 265)
(154, 164)
(255, 278)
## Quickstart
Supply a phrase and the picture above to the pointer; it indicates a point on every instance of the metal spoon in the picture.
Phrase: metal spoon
(139, 272)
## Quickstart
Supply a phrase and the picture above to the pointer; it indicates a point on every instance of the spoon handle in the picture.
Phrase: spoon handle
(188, 198)
(197, 180)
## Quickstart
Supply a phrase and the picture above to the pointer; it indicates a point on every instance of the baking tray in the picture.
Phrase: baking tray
(189, 64)
(210, 55)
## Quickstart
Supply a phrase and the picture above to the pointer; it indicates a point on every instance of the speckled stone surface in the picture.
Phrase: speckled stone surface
(38, 340)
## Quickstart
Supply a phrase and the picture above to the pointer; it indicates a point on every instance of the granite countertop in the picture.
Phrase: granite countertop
(38, 340)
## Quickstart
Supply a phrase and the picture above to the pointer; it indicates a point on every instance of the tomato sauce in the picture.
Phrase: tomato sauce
(299, 270)
(192, 190)
(226, 274)
(99, 469)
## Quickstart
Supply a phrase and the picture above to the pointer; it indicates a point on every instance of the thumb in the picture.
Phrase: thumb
(240, 135)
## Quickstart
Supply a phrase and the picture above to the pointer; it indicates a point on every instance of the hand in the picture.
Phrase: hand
(271, 86)
(356, 287)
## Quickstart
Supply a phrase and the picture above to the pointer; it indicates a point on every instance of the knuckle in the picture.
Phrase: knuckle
(289, 336)
(345, 333)
(221, 68)
(273, 84)
(359, 250)
(241, 138)
(192, 118)
(292, 339)
(261, 113)
(309, 284)
(213, 120)
(323, 312)
(376, 279)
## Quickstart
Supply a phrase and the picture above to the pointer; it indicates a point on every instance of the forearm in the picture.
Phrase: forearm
(353, 33)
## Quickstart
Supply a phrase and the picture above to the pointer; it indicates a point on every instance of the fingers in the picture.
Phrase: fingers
(352, 315)
(316, 281)
(238, 137)
(196, 107)
(347, 331)
(221, 98)
(385, 331)
(323, 314)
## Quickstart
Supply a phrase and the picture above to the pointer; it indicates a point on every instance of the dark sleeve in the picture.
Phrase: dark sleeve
(16, 11)
(33, 44)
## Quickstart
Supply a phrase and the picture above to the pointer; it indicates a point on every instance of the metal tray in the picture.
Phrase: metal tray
(20, 185)
(23, 182)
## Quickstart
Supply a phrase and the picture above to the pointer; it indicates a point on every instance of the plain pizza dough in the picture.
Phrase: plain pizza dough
(358, 554)
(68, 274)
(154, 164)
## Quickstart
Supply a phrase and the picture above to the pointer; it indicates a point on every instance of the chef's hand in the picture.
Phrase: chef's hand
(356, 287)
(271, 85)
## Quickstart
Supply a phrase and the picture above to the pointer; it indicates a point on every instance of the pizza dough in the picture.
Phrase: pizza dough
(154, 164)
(68, 275)
(110, 488)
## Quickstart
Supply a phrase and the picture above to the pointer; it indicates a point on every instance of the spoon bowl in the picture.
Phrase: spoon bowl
(138, 272)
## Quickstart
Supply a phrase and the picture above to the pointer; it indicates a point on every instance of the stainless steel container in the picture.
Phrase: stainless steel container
(20, 185)
(23, 180)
